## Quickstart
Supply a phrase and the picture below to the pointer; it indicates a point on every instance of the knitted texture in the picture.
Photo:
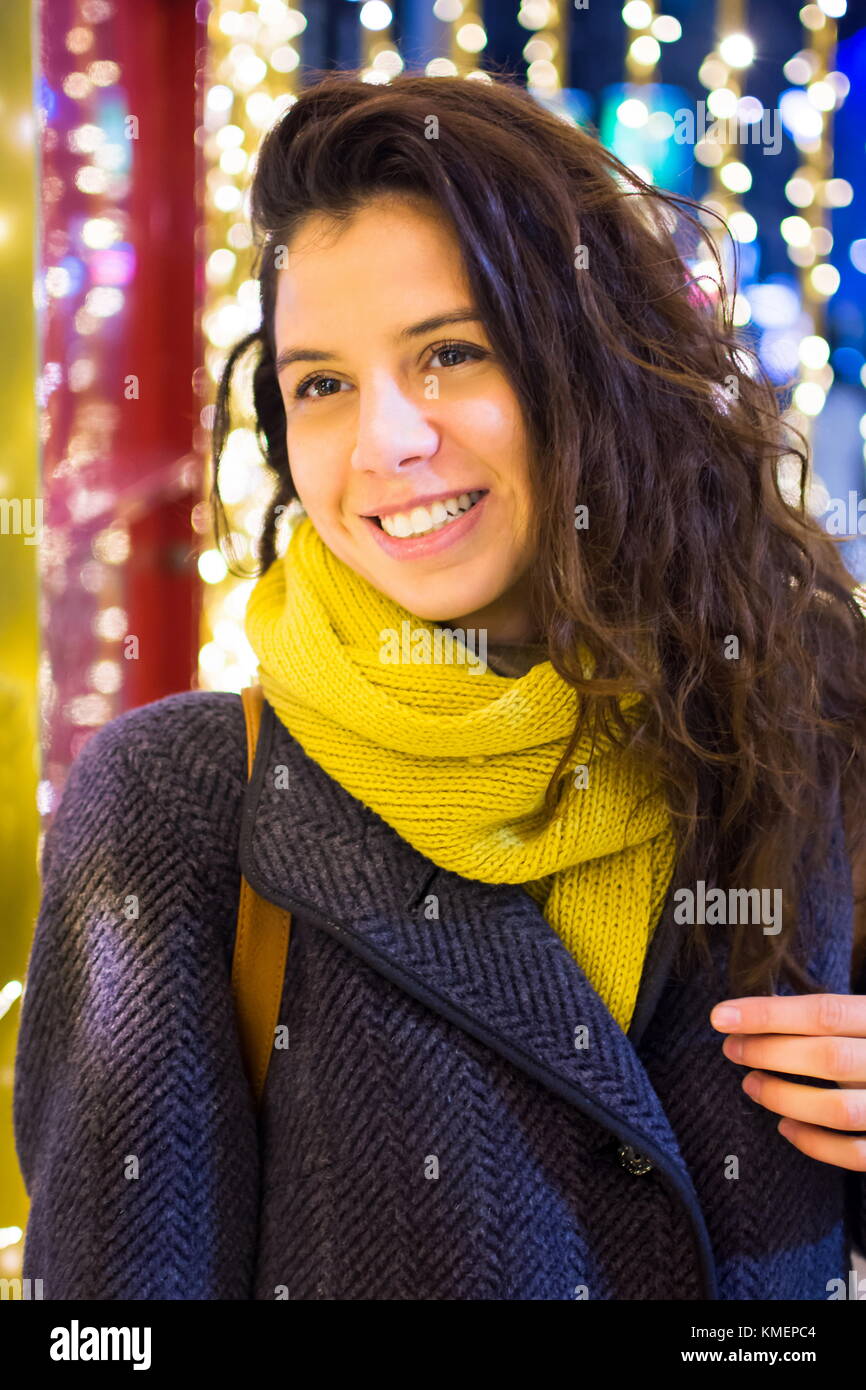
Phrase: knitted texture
(432, 1131)
(458, 765)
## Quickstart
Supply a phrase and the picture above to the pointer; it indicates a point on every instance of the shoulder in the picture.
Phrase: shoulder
(192, 733)
(181, 758)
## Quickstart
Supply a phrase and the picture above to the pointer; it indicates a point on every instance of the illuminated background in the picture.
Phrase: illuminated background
(129, 130)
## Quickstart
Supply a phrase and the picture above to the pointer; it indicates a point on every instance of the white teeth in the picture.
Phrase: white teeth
(422, 520)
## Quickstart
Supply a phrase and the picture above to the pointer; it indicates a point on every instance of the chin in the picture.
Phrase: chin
(440, 607)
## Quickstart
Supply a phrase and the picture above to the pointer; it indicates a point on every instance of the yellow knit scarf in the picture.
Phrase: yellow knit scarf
(457, 760)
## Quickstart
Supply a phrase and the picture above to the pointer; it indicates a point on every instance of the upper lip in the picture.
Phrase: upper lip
(423, 501)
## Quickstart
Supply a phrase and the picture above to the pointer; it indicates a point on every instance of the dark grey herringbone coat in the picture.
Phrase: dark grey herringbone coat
(431, 1131)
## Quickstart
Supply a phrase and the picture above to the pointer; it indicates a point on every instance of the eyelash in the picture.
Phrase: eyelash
(476, 353)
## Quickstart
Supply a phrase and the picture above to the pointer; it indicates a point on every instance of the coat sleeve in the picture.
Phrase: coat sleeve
(134, 1125)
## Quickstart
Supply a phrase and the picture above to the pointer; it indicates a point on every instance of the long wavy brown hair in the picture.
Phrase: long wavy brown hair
(644, 405)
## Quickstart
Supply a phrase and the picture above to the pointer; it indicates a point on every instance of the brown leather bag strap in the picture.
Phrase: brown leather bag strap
(261, 946)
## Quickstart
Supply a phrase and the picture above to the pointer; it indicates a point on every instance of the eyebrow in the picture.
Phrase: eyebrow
(301, 354)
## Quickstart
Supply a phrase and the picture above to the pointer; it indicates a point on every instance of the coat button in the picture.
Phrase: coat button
(632, 1161)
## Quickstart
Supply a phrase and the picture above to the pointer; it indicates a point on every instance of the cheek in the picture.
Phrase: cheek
(318, 477)
(488, 424)
(492, 429)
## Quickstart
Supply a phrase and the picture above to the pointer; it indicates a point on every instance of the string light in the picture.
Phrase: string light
(253, 61)
(647, 31)
(807, 110)
(546, 53)
(644, 46)
(467, 39)
(717, 148)
(380, 60)
(82, 290)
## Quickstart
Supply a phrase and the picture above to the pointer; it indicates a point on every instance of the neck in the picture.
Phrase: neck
(514, 633)
(507, 621)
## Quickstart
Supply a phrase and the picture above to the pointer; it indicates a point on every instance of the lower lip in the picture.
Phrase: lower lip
(419, 547)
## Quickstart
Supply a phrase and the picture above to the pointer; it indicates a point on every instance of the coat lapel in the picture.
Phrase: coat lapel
(489, 961)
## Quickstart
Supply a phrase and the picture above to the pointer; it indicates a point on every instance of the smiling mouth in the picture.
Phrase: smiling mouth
(423, 521)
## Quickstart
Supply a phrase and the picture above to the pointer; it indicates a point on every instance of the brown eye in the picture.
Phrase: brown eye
(301, 390)
(461, 350)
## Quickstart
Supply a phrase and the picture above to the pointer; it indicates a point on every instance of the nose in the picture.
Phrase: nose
(393, 428)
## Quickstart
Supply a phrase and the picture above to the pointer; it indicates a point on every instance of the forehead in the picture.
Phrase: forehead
(389, 259)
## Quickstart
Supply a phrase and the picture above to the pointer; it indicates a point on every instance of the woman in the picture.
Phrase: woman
(562, 748)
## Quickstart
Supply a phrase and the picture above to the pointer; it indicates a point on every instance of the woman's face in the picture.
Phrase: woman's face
(390, 432)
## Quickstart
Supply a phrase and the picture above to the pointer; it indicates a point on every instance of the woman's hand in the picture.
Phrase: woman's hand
(820, 1035)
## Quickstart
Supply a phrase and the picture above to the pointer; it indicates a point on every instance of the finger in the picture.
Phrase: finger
(830, 1058)
(812, 1014)
(842, 1150)
(816, 1105)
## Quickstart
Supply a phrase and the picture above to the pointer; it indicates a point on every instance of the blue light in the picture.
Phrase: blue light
(77, 272)
(47, 99)
(847, 363)
(775, 303)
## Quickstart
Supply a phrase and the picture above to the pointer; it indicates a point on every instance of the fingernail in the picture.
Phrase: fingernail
(725, 1016)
